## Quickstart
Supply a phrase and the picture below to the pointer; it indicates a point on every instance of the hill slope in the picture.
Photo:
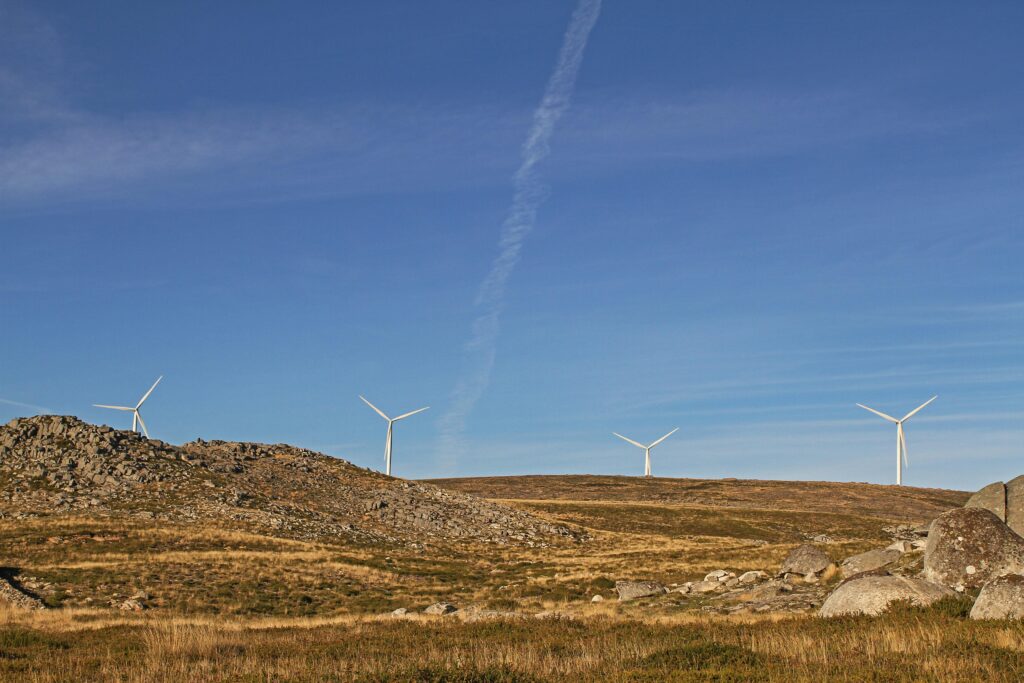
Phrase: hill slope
(55, 464)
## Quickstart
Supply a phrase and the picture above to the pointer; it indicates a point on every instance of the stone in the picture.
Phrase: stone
(1001, 598)
(752, 577)
(441, 608)
(901, 546)
(706, 586)
(971, 538)
(805, 559)
(869, 561)
(822, 538)
(400, 612)
(597, 598)
(810, 577)
(132, 605)
(873, 594)
(717, 575)
(632, 590)
(991, 497)
(1015, 504)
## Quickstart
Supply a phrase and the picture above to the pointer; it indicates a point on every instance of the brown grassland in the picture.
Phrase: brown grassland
(230, 605)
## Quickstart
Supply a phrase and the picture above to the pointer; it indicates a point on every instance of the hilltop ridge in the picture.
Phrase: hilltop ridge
(59, 464)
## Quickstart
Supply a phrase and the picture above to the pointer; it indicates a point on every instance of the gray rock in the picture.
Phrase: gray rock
(441, 608)
(717, 575)
(869, 561)
(400, 612)
(752, 577)
(804, 560)
(597, 598)
(968, 547)
(631, 590)
(991, 497)
(1015, 504)
(1001, 598)
(706, 586)
(873, 594)
(901, 546)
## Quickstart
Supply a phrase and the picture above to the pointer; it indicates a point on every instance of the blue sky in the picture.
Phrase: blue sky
(753, 218)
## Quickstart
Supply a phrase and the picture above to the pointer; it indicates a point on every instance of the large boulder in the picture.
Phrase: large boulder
(1015, 504)
(805, 560)
(968, 547)
(873, 594)
(992, 497)
(869, 561)
(631, 590)
(1001, 598)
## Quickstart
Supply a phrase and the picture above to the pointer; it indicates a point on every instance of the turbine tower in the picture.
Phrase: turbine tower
(391, 428)
(136, 415)
(647, 449)
(901, 439)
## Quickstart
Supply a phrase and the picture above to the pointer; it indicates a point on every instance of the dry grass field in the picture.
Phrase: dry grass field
(229, 604)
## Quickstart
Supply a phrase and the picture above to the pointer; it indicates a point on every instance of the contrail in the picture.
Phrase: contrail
(18, 404)
(529, 193)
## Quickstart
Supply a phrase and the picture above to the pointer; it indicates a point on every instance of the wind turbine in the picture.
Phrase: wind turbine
(136, 415)
(647, 449)
(901, 439)
(391, 428)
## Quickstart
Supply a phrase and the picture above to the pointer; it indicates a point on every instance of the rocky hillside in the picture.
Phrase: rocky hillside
(57, 464)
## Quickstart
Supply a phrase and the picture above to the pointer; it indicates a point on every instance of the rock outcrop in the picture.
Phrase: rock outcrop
(633, 590)
(805, 560)
(1001, 598)
(54, 463)
(968, 547)
(12, 596)
(1005, 501)
(992, 498)
(869, 561)
(873, 594)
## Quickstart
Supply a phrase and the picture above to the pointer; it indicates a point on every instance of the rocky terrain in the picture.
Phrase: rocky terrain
(61, 465)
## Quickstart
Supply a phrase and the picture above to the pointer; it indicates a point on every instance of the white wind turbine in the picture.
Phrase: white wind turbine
(901, 439)
(647, 449)
(391, 428)
(136, 415)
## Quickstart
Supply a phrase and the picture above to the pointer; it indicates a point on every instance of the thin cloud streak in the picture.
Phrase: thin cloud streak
(19, 404)
(529, 193)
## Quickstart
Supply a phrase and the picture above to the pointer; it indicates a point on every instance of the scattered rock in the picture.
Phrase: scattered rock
(632, 590)
(441, 608)
(11, 595)
(1001, 598)
(805, 559)
(822, 538)
(132, 605)
(752, 577)
(871, 560)
(901, 546)
(597, 598)
(706, 587)
(400, 612)
(968, 547)
(873, 594)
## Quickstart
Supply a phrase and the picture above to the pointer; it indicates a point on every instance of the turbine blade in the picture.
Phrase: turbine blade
(143, 399)
(638, 445)
(378, 410)
(98, 405)
(664, 437)
(903, 441)
(402, 417)
(144, 430)
(890, 418)
(914, 412)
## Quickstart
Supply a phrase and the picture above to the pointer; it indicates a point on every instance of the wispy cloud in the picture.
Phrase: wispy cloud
(27, 406)
(529, 193)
